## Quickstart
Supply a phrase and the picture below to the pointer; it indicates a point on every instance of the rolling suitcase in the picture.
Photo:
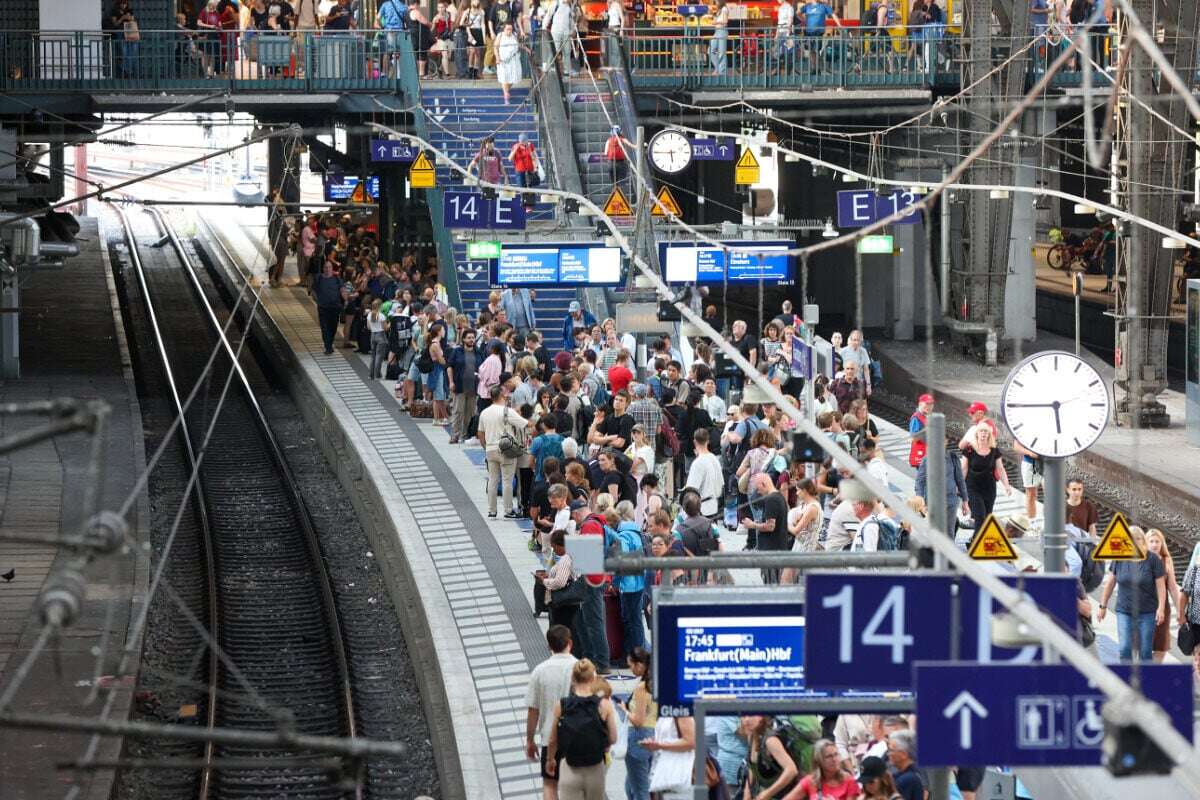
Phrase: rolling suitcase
(612, 625)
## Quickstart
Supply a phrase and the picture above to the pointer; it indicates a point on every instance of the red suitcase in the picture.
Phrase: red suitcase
(612, 624)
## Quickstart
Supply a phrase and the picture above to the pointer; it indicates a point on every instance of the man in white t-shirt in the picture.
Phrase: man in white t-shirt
(843, 525)
(785, 16)
(549, 682)
(705, 475)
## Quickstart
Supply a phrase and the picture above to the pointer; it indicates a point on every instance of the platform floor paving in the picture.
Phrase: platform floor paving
(79, 353)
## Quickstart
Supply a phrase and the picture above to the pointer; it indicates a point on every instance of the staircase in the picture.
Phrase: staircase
(458, 120)
(590, 128)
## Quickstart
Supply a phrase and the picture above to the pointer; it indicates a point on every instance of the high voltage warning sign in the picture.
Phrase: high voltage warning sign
(990, 544)
(746, 171)
(422, 175)
(1117, 543)
(666, 205)
(617, 205)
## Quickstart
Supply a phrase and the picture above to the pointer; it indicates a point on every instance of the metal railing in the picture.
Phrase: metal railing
(364, 60)
(188, 59)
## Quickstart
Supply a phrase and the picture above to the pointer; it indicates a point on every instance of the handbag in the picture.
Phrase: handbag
(1186, 638)
(569, 595)
(672, 770)
(1087, 634)
(621, 746)
(132, 32)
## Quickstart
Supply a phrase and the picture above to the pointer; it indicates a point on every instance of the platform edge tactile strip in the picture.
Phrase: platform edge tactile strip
(513, 640)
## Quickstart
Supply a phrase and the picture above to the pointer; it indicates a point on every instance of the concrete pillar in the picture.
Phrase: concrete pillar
(1020, 291)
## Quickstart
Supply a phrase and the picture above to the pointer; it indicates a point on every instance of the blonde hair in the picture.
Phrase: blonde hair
(917, 504)
(602, 687)
(584, 672)
(604, 504)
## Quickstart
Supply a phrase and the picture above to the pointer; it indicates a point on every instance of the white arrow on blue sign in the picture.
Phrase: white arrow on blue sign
(712, 150)
(973, 714)
(389, 150)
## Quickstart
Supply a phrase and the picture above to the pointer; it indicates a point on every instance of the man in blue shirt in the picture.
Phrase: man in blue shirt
(815, 15)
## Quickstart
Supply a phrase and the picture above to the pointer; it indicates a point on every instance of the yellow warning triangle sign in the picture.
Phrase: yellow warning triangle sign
(617, 205)
(1117, 543)
(360, 194)
(745, 171)
(747, 159)
(991, 543)
(422, 175)
(666, 205)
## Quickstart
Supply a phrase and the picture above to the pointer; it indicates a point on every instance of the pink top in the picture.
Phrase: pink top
(489, 375)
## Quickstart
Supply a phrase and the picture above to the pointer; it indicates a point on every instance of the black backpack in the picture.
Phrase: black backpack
(697, 536)
(425, 361)
(1092, 572)
(583, 422)
(582, 735)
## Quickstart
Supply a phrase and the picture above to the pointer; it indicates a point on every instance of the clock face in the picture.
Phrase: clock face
(670, 151)
(1055, 404)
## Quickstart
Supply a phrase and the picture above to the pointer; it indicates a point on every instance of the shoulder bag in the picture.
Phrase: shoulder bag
(570, 595)
(1187, 636)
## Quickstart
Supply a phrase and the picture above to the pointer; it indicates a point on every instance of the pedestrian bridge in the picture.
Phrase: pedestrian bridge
(239, 63)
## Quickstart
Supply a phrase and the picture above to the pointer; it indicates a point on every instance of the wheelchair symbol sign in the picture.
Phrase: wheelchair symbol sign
(1089, 726)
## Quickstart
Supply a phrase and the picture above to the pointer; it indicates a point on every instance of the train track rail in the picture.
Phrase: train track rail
(1179, 543)
(269, 601)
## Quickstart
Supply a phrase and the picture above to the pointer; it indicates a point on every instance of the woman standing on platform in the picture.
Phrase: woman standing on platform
(982, 467)
(643, 714)
(1141, 601)
(561, 573)
(474, 17)
(437, 375)
(1157, 544)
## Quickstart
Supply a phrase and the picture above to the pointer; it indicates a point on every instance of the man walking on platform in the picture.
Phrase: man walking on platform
(549, 682)
(330, 300)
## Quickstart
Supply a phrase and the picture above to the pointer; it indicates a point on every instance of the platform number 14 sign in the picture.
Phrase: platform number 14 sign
(473, 210)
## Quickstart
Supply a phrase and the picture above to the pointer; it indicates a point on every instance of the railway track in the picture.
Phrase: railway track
(1179, 543)
(264, 593)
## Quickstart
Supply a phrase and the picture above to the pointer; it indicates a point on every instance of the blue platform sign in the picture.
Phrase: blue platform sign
(858, 208)
(802, 359)
(473, 210)
(1046, 715)
(389, 150)
(713, 150)
(866, 630)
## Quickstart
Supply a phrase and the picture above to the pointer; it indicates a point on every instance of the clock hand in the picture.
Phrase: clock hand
(1033, 405)
(1057, 419)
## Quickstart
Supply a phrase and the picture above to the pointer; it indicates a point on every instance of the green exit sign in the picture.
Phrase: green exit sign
(482, 250)
(876, 244)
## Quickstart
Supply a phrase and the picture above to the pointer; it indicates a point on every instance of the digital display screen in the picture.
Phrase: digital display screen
(341, 187)
(730, 648)
(570, 264)
(689, 262)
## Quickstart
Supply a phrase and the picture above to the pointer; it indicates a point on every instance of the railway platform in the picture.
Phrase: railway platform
(1154, 467)
(72, 346)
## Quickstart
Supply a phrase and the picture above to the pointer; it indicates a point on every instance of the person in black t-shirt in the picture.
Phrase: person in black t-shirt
(772, 531)
(747, 345)
(613, 481)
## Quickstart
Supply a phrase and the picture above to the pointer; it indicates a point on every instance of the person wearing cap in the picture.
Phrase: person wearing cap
(524, 160)
(875, 780)
(577, 317)
(978, 413)
(916, 429)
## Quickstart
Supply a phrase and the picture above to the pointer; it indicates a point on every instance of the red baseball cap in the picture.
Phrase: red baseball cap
(925, 398)
(975, 407)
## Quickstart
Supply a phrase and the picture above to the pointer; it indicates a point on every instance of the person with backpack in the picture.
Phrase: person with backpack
(772, 770)
(630, 586)
(590, 629)
(956, 490)
(585, 726)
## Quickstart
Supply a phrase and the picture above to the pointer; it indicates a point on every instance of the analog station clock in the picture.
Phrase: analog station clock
(1055, 404)
(670, 150)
